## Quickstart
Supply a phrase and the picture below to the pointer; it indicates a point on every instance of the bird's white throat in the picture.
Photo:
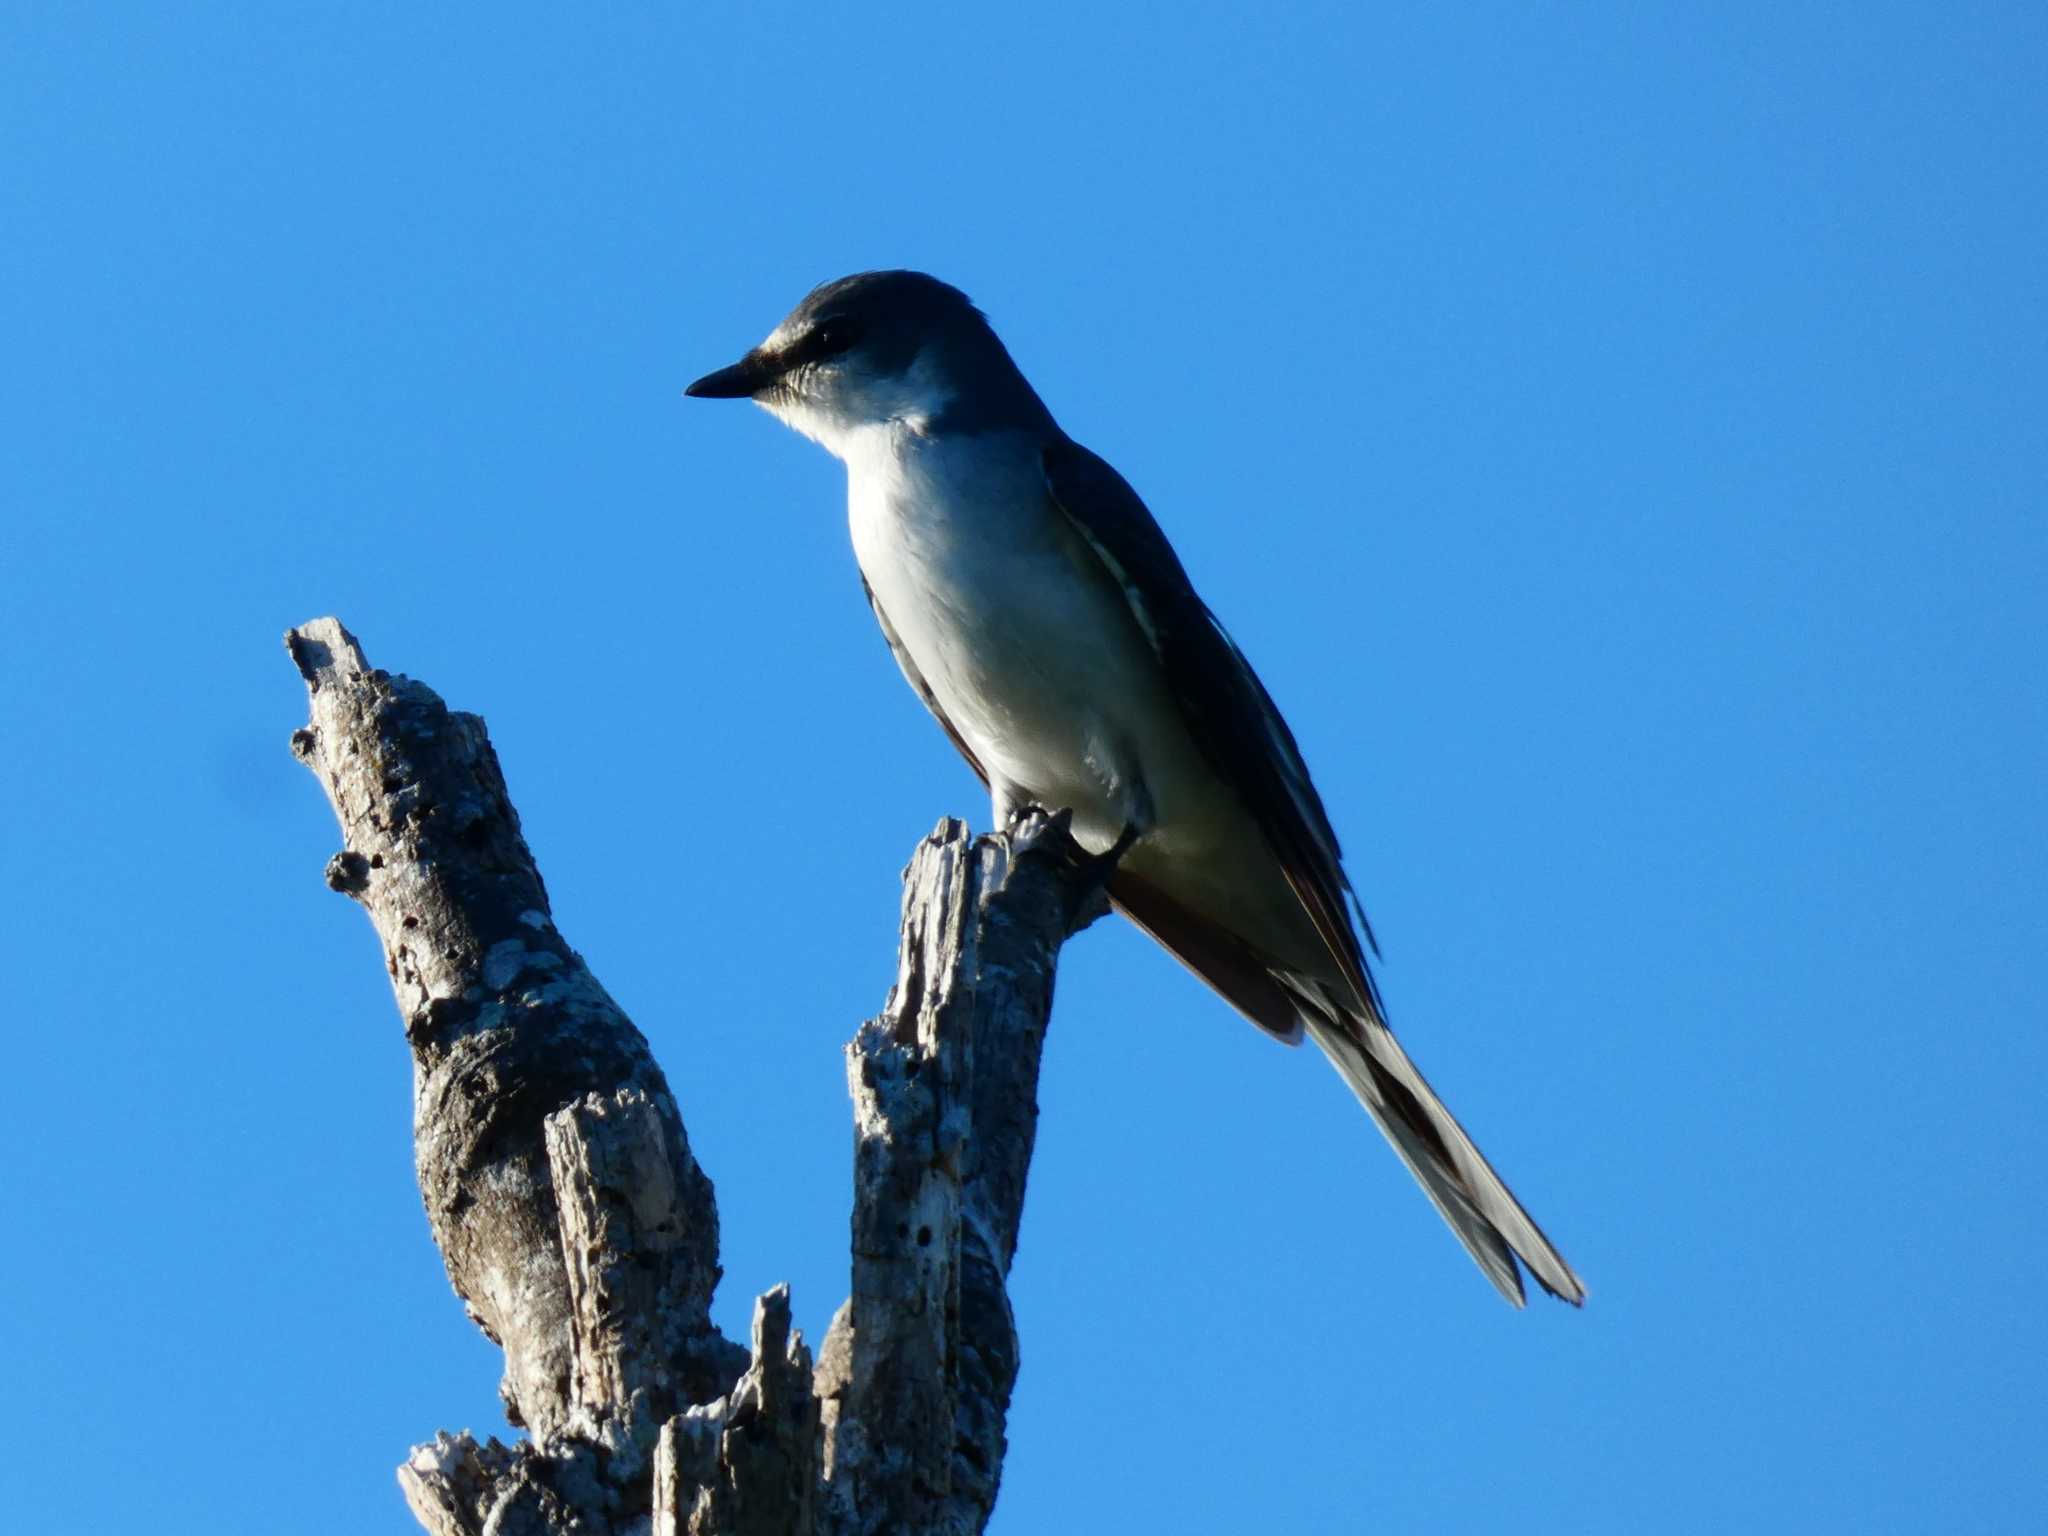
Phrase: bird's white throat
(839, 407)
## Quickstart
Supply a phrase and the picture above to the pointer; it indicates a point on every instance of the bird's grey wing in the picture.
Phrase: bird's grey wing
(1240, 732)
(918, 685)
(1227, 709)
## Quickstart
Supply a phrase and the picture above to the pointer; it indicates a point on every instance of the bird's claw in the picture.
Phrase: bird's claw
(1089, 898)
(1060, 822)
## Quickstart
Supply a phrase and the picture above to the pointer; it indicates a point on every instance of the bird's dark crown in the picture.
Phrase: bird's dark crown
(891, 316)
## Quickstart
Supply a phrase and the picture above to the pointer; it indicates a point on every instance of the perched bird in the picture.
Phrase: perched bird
(1039, 612)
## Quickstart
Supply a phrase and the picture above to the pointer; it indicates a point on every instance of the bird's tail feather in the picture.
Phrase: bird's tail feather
(1470, 1196)
(1479, 1207)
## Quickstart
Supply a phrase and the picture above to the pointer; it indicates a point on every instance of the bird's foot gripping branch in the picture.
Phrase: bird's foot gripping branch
(580, 1232)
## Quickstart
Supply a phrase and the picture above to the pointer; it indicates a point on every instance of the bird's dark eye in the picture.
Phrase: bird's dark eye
(829, 338)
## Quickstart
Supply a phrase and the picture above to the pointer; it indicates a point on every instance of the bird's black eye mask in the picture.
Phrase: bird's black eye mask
(831, 337)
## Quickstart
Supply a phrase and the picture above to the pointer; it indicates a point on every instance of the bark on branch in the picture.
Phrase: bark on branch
(578, 1229)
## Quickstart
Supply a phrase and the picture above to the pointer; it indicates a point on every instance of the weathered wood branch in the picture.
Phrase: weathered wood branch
(578, 1229)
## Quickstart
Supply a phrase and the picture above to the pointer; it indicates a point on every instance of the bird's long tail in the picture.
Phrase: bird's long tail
(1344, 1020)
(1471, 1197)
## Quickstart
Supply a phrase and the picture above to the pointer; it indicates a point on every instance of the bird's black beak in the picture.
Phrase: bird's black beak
(745, 378)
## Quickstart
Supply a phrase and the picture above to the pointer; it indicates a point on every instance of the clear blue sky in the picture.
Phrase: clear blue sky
(1617, 434)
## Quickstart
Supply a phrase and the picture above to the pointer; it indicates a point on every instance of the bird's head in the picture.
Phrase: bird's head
(875, 349)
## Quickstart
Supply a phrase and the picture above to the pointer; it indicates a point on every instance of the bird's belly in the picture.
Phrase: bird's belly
(1043, 685)
(1032, 654)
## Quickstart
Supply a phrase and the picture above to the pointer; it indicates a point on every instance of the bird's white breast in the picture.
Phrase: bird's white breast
(1025, 642)
(1030, 648)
